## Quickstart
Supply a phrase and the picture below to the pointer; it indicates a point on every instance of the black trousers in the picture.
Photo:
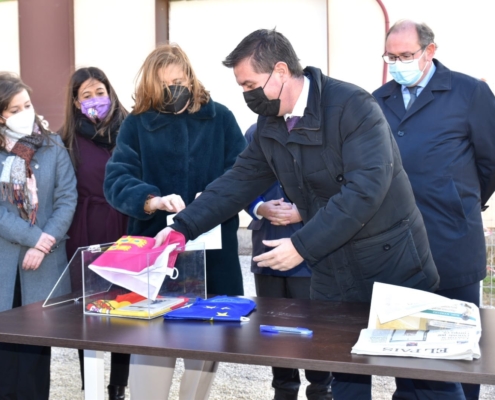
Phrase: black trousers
(286, 381)
(119, 368)
(24, 369)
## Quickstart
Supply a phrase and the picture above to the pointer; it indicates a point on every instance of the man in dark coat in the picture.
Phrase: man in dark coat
(274, 217)
(341, 167)
(446, 137)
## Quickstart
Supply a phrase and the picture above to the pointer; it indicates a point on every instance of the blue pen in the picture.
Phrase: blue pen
(285, 329)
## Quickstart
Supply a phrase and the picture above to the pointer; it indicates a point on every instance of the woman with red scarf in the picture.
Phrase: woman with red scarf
(37, 201)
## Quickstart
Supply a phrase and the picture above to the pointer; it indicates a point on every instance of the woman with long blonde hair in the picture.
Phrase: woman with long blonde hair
(173, 144)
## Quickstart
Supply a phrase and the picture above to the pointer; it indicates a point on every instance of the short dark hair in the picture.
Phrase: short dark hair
(425, 33)
(265, 48)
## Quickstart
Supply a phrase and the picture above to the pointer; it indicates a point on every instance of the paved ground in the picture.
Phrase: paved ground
(233, 381)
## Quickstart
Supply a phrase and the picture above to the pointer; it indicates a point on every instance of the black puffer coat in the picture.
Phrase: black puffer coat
(340, 165)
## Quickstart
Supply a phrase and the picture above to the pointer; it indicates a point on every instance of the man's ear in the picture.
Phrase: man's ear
(282, 70)
(430, 51)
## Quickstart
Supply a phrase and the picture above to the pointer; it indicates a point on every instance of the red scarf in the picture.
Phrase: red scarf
(21, 188)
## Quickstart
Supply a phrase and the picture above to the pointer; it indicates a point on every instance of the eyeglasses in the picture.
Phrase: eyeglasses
(404, 58)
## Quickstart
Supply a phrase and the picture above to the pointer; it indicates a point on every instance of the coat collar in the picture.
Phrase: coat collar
(307, 130)
(391, 92)
(153, 120)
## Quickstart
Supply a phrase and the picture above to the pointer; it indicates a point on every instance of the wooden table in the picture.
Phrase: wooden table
(336, 328)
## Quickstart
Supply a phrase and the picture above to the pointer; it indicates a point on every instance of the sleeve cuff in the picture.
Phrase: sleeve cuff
(177, 226)
(255, 209)
(298, 245)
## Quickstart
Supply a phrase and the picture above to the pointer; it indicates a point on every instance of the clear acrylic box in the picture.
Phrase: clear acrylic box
(100, 295)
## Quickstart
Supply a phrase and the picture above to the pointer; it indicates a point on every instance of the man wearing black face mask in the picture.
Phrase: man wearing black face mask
(260, 104)
(330, 147)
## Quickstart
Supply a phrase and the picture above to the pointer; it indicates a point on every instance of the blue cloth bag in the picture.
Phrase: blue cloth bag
(219, 308)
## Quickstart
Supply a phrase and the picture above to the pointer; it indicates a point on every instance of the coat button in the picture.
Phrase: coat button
(340, 178)
(400, 133)
(386, 247)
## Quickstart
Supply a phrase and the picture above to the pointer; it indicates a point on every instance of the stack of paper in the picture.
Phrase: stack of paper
(135, 306)
(411, 323)
(151, 308)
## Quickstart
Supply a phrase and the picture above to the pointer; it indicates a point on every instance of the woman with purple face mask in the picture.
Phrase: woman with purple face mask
(93, 117)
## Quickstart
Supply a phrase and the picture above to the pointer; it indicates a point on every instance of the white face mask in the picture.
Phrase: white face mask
(22, 122)
(407, 74)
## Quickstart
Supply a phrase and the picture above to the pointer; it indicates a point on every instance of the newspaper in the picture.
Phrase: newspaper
(411, 323)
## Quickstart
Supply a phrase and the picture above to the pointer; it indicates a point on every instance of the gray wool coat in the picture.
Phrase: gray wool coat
(57, 198)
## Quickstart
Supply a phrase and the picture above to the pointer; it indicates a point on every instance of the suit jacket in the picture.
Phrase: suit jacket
(57, 198)
(447, 144)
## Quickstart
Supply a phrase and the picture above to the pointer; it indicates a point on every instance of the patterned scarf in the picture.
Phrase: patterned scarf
(17, 181)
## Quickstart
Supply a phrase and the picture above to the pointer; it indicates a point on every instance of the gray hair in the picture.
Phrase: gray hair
(425, 33)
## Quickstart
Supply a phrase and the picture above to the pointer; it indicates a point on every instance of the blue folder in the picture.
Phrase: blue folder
(219, 308)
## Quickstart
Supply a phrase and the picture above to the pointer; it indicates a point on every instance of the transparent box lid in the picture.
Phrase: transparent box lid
(146, 291)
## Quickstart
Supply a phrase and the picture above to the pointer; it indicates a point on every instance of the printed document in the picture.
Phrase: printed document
(413, 323)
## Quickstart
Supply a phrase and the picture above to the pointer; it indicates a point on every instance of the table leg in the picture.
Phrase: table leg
(94, 375)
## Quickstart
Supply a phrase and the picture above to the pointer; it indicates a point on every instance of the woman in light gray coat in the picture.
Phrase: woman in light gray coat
(37, 201)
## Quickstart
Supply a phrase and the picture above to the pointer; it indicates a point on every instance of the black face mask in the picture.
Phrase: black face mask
(176, 99)
(257, 101)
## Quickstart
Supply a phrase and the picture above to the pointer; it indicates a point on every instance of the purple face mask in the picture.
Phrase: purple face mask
(97, 107)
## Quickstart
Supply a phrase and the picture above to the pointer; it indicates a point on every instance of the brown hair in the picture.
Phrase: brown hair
(116, 114)
(149, 91)
(10, 86)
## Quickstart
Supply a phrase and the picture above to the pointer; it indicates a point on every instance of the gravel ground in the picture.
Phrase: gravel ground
(233, 381)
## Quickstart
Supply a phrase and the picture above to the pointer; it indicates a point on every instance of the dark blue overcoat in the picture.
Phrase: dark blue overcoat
(447, 144)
